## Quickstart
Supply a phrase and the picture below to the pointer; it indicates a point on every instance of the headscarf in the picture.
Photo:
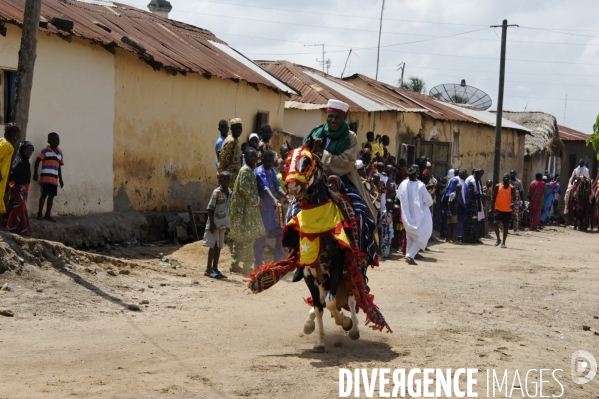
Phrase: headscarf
(364, 151)
(359, 164)
(19, 153)
(451, 174)
(21, 171)
(427, 172)
(252, 135)
(339, 139)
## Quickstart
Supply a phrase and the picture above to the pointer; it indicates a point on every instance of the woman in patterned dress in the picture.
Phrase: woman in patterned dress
(518, 210)
(536, 194)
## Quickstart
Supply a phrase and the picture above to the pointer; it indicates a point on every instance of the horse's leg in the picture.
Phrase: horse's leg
(315, 312)
(354, 332)
(340, 319)
(309, 325)
(319, 346)
(335, 267)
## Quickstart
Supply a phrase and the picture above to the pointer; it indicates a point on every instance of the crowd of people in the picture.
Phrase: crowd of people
(16, 175)
(397, 205)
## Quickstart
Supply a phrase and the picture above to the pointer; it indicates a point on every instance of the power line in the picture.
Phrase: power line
(393, 33)
(493, 80)
(362, 17)
(315, 26)
(454, 36)
(320, 13)
(446, 55)
(268, 38)
(556, 30)
(469, 70)
(439, 37)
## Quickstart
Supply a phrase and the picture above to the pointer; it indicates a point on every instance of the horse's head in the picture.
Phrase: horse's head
(301, 172)
(304, 175)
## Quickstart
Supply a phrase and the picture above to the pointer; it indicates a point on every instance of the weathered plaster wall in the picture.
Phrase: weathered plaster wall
(379, 122)
(476, 146)
(165, 128)
(300, 122)
(73, 95)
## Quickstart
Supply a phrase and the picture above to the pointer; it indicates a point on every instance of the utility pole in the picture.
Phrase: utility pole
(402, 66)
(27, 56)
(497, 163)
(378, 52)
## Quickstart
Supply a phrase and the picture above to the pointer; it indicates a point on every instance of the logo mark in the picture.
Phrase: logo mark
(584, 367)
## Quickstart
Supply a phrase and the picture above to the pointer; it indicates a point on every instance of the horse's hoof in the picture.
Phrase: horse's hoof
(318, 348)
(349, 327)
(309, 328)
(354, 335)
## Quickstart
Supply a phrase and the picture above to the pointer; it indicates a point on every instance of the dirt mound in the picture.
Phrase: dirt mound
(15, 251)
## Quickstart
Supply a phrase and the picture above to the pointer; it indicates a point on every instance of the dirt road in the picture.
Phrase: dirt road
(464, 307)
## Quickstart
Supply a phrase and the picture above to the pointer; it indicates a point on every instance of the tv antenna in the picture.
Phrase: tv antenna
(402, 66)
(462, 94)
(322, 62)
(347, 59)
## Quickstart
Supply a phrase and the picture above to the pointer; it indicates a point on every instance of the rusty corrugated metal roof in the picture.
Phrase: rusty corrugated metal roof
(568, 134)
(168, 44)
(437, 109)
(316, 89)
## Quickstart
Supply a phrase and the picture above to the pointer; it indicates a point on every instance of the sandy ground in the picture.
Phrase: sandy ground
(464, 307)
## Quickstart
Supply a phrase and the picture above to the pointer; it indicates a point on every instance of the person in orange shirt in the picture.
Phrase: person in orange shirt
(504, 196)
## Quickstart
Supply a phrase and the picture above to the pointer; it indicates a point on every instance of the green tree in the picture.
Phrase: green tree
(415, 84)
(594, 139)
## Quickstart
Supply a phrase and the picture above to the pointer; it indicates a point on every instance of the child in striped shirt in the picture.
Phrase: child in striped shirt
(52, 160)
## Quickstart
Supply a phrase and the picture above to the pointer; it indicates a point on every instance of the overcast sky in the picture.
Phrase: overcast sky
(553, 53)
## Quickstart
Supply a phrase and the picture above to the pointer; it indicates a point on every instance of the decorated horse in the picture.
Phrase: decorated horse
(323, 239)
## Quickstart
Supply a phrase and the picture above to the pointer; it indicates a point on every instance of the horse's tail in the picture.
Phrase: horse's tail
(270, 273)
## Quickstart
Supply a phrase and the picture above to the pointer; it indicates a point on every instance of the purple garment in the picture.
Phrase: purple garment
(267, 179)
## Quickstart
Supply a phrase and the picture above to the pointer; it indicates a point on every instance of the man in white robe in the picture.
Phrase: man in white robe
(581, 170)
(416, 216)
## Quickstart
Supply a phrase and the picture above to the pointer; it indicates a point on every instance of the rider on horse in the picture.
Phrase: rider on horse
(330, 234)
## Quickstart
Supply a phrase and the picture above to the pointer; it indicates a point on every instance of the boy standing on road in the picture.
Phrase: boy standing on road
(52, 160)
(218, 223)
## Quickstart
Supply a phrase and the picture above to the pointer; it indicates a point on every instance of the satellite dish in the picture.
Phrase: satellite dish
(461, 94)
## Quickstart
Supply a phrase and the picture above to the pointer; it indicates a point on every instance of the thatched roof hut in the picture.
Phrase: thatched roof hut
(544, 137)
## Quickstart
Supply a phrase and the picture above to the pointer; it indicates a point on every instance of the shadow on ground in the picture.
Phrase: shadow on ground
(340, 350)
